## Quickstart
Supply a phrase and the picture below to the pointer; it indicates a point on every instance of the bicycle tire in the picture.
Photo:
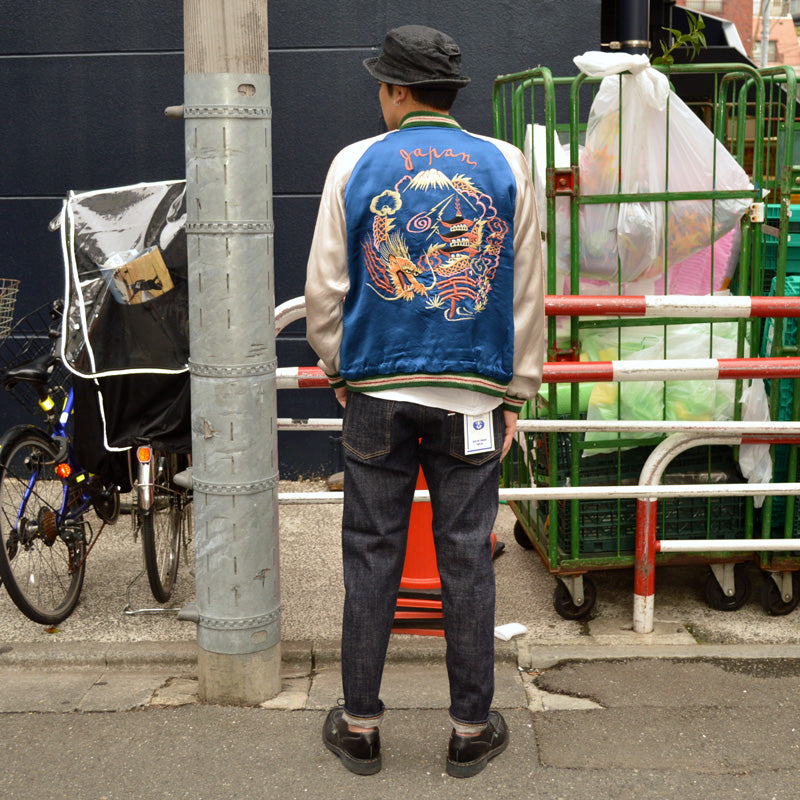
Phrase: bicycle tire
(162, 526)
(42, 560)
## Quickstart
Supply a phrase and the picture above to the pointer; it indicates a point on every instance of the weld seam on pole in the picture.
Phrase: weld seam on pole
(248, 487)
(240, 623)
(227, 112)
(227, 227)
(232, 370)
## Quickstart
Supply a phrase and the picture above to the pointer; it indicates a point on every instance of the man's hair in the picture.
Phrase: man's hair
(440, 99)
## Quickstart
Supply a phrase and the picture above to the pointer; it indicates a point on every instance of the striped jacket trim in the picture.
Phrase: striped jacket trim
(473, 382)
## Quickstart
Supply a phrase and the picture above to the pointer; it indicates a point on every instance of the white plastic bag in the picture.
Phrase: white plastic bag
(755, 460)
(626, 152)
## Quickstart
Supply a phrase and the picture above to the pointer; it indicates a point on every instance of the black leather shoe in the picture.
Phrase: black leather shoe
(468, 755)
(360, 752)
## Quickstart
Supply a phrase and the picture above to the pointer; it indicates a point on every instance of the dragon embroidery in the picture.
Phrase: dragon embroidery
(462, 241)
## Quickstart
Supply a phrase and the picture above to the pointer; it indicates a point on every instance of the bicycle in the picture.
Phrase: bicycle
(44, 493)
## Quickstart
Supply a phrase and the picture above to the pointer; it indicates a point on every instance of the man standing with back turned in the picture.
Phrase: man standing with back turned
(424, 301)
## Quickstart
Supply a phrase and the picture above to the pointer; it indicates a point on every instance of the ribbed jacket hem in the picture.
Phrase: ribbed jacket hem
(450, 380)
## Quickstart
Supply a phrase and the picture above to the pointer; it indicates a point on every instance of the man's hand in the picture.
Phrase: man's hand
(511, 428)
(341, 395)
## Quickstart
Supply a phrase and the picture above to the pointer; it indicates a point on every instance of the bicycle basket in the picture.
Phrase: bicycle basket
(8, 298)
(28, 340)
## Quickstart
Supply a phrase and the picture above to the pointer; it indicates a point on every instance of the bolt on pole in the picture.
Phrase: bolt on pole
(229, 231)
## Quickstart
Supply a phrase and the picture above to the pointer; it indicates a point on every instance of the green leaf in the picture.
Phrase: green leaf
(692, 42)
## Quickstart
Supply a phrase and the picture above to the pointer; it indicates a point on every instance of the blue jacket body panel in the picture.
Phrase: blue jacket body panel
(429, 214)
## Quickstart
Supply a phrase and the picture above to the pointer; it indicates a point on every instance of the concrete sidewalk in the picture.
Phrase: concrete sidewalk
(709, 721)
(106, 705)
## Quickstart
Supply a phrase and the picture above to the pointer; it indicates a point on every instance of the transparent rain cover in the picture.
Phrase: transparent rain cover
(126, 295)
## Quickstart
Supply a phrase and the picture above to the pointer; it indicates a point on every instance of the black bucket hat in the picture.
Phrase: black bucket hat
(414, 55)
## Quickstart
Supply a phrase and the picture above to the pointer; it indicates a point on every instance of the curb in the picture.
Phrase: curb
(65, 655)
(296, 656)
(306, 657)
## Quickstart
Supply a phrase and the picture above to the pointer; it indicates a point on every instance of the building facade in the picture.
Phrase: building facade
(85, 84)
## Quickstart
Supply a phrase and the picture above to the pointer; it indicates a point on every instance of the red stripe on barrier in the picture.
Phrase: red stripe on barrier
(644, 573)
(775, 306)
(594, 305)
(577, 371)
(771, 439)
(311, 378)
(731, 368)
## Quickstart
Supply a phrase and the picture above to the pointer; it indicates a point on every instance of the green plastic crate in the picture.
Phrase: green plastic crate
(608, 527)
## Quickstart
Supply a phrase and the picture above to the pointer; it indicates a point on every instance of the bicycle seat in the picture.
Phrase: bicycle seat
(36, 371)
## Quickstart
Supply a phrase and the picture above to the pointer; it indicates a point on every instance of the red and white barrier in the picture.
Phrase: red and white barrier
(702, 369)
(689, 306)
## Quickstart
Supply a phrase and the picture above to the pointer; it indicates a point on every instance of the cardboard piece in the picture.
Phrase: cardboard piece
(144, 278)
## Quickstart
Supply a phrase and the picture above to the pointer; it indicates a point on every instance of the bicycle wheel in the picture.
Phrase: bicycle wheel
(42, 553)
(162, 526)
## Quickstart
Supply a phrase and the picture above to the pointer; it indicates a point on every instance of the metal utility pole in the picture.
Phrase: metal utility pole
(633, 26)
(231, 311)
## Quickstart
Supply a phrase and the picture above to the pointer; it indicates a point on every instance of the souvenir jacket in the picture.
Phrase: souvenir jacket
(426, 265)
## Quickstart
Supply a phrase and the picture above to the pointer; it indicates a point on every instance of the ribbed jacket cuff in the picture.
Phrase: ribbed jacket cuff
(513, 404)
(336, 381)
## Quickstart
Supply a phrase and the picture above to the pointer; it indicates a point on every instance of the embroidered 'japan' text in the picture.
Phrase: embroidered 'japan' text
(432, 153)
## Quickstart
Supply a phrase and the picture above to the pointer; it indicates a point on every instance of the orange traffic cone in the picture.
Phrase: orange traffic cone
(419, 602)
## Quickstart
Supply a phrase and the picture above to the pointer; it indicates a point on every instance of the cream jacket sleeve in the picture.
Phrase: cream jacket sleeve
(327, 278)
(529, 285)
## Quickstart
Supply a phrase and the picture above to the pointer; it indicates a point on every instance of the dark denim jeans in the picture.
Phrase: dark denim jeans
(385, 443)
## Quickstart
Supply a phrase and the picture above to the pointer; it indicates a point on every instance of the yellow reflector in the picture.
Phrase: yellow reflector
(63, 470)
(46, 404)
(143, 454)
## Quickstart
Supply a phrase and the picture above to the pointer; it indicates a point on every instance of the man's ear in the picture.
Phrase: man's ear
(399, 94)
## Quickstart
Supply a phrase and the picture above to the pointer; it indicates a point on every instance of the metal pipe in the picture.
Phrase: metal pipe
(684, 306)
(750, 432)
(631, 492)
(633, 25)
(726, 545)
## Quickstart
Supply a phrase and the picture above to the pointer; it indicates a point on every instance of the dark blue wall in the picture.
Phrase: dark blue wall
(83, 90)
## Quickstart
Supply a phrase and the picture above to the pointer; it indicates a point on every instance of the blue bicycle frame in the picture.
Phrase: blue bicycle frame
(64, 455)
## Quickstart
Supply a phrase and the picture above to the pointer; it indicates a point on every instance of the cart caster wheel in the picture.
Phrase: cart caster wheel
(565, 606)
(718, 600)
(521, 537)
(772, 601)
